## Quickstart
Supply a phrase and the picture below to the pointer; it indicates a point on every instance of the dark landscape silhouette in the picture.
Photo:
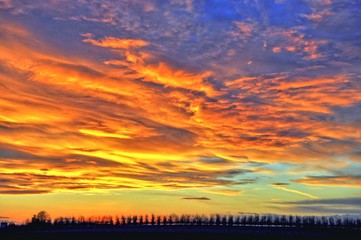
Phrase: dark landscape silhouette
(185, 226)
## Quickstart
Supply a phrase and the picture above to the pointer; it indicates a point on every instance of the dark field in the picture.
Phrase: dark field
(182, 232)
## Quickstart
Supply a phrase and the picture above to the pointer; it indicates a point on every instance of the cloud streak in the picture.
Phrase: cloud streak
(280, 187)
(196, 198)
(344, 181)
(343, 201)
(327, 206)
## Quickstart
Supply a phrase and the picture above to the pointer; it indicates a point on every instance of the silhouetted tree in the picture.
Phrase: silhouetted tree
(81, 220)
(129, 220)
(256, 219)
(311, 221)
(181, 219)
(205, 219)
(152, 221)
(188, 219)
(135, 219)
(165, 221)
(230, 220)
(42, 219)
(250, 220)
(237, 221)
(218, 219)
(193, 220)
(298, 221)
(263, 220)
(283, 220)
(324, 222)
(170, 219)
(332, 222)
(158, 220)
(269, 220)
(357, 223)
(117, 221)
(290, 220)
(211, 220)
(349, 223)
(224, 220)
(124, 220)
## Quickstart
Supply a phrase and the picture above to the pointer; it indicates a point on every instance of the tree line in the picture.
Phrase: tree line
(43, 220)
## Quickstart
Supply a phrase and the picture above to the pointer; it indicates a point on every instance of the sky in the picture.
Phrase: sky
(180, 106)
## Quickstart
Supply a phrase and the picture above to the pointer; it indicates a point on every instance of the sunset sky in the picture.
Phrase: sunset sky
(180, 106)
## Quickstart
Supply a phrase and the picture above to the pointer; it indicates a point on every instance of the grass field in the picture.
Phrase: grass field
(182, 232)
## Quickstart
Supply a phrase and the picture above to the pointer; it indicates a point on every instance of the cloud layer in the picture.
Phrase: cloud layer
(222, 98)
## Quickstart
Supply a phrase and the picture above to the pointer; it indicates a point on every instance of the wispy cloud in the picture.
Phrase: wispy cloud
(281, 187)
(196, 198)
(326, 206)
(343, 201)
(226, 192)
(111, 42)
(5, 4)
(345, 181)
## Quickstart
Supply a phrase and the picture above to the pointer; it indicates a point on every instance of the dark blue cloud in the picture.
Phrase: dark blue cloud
(327, 206)
(327, 210)
(214, 160)
(356, 201)
(200, 36)
(349, 115)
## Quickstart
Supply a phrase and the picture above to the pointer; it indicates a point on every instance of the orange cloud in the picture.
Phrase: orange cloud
(245, 30)
(331, 181)
(210, 109)
(141, 122)
(296, 42)
(160, 72)
(317, 17)
(167, 76)
(276, 49)
(111, 42)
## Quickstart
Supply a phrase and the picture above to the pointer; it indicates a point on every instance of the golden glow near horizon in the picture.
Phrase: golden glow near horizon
(158, 108)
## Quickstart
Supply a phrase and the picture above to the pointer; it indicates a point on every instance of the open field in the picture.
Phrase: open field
(183, 232)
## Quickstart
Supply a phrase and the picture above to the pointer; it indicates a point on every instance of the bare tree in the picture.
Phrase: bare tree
(158, 220)
(152, 221)
(42, 219)
(135, 219)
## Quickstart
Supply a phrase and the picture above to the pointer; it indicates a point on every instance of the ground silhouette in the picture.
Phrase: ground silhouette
(185, 226)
